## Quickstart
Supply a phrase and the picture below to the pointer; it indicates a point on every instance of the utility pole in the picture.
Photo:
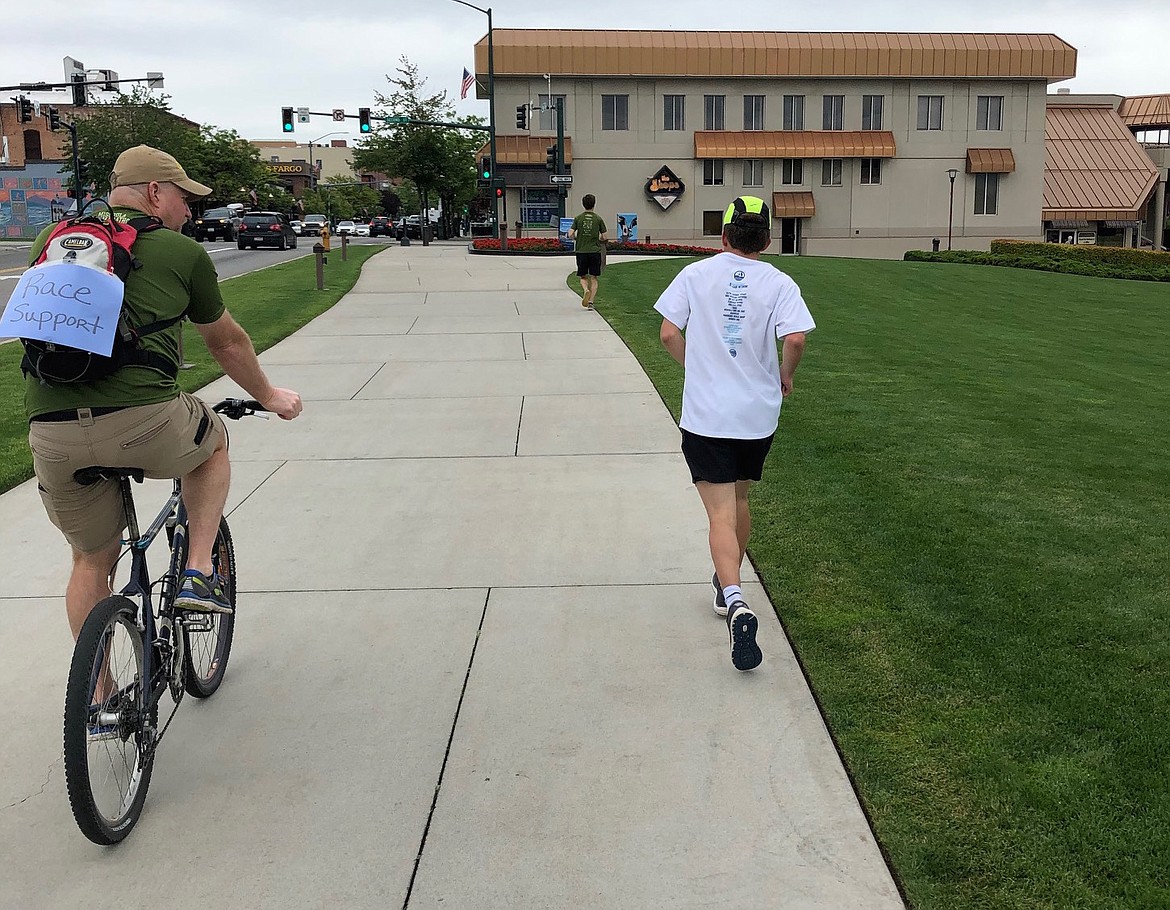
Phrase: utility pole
(562, 190)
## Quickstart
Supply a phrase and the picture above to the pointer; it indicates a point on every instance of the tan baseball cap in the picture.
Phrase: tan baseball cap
(142, 164)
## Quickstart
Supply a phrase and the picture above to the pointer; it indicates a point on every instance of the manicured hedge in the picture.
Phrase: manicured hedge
(1090, 261)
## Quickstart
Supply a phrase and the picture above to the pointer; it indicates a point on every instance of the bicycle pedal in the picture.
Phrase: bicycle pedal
(197, 623)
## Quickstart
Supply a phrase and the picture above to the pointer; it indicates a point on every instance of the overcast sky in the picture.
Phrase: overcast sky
(234, 64)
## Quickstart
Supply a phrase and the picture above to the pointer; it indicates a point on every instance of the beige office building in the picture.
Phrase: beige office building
(864, 144)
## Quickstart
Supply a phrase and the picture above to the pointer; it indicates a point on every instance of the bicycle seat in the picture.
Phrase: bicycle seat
(91, 475)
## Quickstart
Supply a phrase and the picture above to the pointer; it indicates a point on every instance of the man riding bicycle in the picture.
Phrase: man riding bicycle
(137, 416)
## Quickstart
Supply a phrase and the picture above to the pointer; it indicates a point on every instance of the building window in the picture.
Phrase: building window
(871, 171)
(753, 172)
(548, 111)
(930, 112)
(615, 112)
(673, 109)
(871, 112)
(713, 112)
(713, 172)
(989, 112)
(792, 172)
(32, 145)
(831, 172)
(986, 194)
(794, 112)
(834, 112)
(712, 224)
(753, 112)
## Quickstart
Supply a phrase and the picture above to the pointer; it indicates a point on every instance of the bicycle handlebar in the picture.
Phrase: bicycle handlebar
(235, 408)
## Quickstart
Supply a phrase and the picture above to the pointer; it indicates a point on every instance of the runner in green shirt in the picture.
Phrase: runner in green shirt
(588, 234)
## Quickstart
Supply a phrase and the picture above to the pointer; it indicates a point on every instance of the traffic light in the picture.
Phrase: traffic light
(364, 119)
(82, 172)
(522, 117)
(25, 108)
(80, 99)
(499, 192)
(54, 118)
(286, 117)
(550, 158)
(485, 168)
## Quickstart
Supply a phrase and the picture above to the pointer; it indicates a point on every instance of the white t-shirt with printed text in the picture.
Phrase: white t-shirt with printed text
(733, 310)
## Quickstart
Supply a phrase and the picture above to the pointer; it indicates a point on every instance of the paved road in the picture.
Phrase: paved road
(475, 666)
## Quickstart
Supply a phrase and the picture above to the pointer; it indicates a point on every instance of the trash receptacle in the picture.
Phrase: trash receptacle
(934, 245)
(519, 229)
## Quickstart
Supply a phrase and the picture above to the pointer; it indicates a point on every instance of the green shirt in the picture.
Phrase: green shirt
(176, 275)
(589, 228)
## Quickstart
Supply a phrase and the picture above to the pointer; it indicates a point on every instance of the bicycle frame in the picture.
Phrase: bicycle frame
(158, 635)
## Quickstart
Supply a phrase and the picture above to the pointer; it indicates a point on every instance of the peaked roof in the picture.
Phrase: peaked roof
(612, 52)
(1094, 169)
(1146, 110)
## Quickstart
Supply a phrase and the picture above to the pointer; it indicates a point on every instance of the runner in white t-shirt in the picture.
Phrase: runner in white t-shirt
(733, 307)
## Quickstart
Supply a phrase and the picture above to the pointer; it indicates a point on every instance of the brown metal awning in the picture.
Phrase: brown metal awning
(793, 205)
(794, 144)
(525, 149)
(990, 161)
(1148, 111)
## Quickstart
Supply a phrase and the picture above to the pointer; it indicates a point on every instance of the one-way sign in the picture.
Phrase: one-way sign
(560, 178)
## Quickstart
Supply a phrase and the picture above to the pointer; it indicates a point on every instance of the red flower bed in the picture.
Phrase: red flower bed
(553, 245)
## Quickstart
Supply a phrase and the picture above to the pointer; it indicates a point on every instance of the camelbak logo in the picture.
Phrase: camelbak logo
(77, 243)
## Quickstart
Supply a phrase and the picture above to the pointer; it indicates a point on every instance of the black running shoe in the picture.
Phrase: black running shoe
(742, 625)
(202, 594)
(719, 605)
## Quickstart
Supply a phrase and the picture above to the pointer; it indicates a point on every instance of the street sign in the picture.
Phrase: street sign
(303, 115)
(396, 120)
(560, 178)
(154, 80)
(339, 114)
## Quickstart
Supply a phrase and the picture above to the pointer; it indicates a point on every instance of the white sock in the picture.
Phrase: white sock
(731, 594)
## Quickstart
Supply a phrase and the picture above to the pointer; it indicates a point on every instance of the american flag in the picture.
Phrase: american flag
(468, 82)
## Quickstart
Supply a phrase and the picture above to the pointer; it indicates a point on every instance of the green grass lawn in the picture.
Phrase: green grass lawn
(964, 528)
(271, 304)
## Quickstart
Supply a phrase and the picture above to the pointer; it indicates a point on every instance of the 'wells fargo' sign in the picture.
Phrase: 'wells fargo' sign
(285, 167)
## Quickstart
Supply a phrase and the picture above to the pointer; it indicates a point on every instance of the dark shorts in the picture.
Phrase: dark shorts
(724, 460)
(588, 264)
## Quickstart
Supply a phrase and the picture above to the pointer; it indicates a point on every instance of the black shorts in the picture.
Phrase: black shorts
(724, 460)
(588, 264)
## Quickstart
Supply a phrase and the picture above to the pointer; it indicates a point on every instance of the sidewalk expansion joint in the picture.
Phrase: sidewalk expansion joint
(447, 754)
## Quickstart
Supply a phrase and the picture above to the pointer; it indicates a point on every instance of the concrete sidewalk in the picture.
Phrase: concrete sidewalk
(475, 662)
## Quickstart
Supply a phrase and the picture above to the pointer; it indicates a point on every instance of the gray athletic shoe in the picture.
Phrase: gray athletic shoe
(719, 605)
(202, 594)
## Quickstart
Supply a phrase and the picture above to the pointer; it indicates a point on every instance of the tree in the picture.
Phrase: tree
(439, 161)
(231, 166)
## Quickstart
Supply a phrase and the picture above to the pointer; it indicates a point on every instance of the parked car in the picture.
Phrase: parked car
(311, 225)
(217, 224)
(346, 227)
(266, 229)
(296, 225)
(381, 226)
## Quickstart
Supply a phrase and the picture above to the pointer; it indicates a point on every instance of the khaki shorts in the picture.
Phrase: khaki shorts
(165, 440)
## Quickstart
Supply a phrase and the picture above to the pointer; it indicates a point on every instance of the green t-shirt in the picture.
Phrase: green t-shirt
(176, 275)
(589, 228)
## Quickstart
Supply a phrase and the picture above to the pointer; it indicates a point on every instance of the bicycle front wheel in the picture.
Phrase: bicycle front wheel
(108, 753)
(209, 635)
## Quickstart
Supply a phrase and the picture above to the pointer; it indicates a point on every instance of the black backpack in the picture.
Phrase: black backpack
(102, 242)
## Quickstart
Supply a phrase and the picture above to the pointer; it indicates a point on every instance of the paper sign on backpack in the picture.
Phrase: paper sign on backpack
(65, 304)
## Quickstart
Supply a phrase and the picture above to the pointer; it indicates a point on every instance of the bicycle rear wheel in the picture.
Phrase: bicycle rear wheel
(108, 758)
(208, 637)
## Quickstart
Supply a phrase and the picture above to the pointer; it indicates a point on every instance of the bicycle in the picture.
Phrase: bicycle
(130, 651)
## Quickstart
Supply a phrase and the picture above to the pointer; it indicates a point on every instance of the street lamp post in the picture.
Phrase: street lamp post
(502, 236)
(312, 178)
(952, 172)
